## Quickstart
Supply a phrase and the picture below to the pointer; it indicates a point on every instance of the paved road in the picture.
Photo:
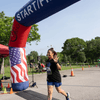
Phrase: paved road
(84, 86)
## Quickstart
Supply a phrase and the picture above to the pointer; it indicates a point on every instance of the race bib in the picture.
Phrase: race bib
(49, 72)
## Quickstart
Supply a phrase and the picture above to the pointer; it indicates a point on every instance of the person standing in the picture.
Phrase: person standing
(53, 75)
(31, 66)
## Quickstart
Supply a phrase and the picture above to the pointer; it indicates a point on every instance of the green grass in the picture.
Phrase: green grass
(74, 67)
(7, 70)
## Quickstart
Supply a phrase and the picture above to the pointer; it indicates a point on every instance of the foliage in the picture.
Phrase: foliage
(6, 61)
(81, 51)
(65, 59)
(61, 57)
(31, 56)
(6, 27)
(69, 59)
(72, 47)
(43, 59)
(92, 50)
(81, 57)
(97, 37)
(33, 35)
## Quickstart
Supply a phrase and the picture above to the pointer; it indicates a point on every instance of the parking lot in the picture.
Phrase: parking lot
(85, 85)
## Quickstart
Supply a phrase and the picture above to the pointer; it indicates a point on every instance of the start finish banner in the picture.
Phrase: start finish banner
(33, 12)
(37, 10)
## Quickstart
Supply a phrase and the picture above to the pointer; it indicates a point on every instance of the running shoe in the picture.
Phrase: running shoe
(68, 96)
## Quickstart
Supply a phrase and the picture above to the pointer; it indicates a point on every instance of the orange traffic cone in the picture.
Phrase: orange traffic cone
(72, 73)
(8, 86)
(82, 68)
(11, 91)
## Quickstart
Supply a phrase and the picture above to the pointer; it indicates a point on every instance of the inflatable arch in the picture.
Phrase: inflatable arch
(31, 13)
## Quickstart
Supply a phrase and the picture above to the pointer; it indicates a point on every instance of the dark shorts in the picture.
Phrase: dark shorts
(54, 83)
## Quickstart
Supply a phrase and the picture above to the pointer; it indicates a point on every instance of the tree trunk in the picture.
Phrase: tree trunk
(92, 61)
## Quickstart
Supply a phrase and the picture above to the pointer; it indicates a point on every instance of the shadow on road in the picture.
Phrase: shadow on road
(32, 95)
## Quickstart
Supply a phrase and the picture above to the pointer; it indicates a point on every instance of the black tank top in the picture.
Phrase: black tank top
(53, 74)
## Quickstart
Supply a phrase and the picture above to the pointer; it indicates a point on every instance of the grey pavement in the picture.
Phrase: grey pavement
(85, 85)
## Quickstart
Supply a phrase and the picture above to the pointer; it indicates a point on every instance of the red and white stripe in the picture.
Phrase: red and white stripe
(19, 71)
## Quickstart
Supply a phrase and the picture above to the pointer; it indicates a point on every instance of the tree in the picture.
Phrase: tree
(92, 50)
(97, 37)
(32, 56)
(61, 56)
(81, 57)
(65, 59)
(69, 59)
(43, 58)
(72, 47)
(6, 27)
(97, 51)
(33, 35)
(6, 61)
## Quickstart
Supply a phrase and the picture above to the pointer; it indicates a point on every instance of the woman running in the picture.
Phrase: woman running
(53, 75)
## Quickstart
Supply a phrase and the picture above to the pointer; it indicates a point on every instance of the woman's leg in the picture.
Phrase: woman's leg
(50, 91)
(61, 91)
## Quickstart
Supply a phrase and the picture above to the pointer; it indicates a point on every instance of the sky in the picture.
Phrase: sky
(81, 20)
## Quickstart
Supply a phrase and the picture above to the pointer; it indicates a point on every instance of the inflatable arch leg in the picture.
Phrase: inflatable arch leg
(33, 12)
(19, 76)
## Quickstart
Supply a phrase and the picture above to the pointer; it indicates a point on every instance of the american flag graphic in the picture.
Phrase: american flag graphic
(18, 65)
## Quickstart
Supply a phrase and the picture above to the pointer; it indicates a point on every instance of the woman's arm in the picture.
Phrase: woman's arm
(56, 61)
(58, 66)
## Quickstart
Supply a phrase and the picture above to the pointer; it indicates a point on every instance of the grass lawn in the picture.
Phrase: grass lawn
(7, 70)
(74, 67)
